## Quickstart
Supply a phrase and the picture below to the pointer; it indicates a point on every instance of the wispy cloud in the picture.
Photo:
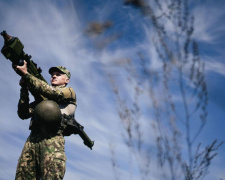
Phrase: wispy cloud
(208, 25)
(215, 66)
(53, 34)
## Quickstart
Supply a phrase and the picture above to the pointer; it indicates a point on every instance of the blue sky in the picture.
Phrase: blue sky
(53, 32)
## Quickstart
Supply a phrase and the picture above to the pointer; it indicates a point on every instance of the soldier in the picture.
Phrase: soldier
(43, 156)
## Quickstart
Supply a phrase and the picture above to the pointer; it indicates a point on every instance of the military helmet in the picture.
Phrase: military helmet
(48, 115)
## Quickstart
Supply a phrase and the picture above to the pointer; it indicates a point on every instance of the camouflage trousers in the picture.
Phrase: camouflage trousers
(43, 159)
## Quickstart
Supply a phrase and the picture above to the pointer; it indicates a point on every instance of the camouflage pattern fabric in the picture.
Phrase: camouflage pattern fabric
(55, 93)
(42, 159)
(60, 68)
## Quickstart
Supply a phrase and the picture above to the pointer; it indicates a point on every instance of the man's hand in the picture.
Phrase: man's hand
(20, 70)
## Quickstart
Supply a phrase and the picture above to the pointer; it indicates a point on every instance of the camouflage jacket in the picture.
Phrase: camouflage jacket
(60, 94)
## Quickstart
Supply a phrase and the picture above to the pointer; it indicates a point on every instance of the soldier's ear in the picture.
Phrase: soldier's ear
(67, 80)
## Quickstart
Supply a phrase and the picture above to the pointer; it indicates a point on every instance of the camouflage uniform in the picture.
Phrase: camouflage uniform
(43, 157)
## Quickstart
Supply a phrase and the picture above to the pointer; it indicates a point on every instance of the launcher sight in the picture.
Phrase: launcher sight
(13, 49)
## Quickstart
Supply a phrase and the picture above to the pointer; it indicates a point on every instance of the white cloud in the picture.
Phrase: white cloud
(215, 66)
(53, 36)
(208, 27)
